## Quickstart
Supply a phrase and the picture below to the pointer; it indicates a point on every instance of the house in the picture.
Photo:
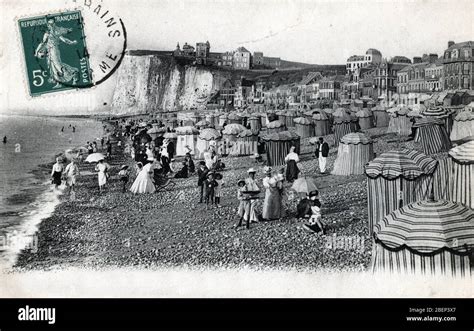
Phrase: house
(202, 52)
(330, 87)
(458, 66)
(241, 59)
(372, 56)
(310, 87)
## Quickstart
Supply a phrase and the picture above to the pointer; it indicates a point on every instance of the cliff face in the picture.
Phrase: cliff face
(158, 83)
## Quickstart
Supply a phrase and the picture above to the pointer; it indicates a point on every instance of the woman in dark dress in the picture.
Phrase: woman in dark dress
(292, 169)
(183, 173)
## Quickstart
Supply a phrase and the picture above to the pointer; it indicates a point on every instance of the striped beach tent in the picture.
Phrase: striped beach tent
(381, 117)
(397, 178)
(187, 137)
(433, 237)
(304, 127)
(277, 146)
(263, 119)
(440, 113)
(290, 115)
(343, 125)
(255, 123)
(443, 176)
(223, 119)
(463, 173)
(206, 138)
(234, 118)
(354, 151)
(322, 126)
(232, 130)
(463, 125)
(275, 126)
(202, 124)
(246, 143)
(432, 135)
(195, 117)
(400, 124)
(281, 116)
(366, 119)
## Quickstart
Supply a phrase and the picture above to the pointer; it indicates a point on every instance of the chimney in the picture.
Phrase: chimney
(432, 58)
(450, 43)
(416, 59)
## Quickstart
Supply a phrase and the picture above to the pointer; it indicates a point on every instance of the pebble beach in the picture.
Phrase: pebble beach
(170, 228)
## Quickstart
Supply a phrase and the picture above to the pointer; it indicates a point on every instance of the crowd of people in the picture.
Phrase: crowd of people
(155, 164)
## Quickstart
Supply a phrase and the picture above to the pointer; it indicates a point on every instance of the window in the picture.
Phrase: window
(465, 69)
(466, 53)
(465, 83)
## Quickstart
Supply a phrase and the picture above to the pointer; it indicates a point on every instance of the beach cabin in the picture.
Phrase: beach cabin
(246, 143)
(366, 119)
(432, 135)
(277, 146)
(304, 127)
(430, 237)
(344, 124)
(397, 178)
(463, 125)
(322, 125)
(207, 137)
(275, 127)
(187, 139)
(354, 151)
(463, 173)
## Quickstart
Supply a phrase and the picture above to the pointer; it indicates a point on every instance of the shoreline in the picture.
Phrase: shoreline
(170, 229)
(22, 237)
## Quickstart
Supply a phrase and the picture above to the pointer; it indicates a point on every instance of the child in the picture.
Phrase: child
(211, 184)
(123, 175)
(314, 222)
(240, 197)
(218, 188)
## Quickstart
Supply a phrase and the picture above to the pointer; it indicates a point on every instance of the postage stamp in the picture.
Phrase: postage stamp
(55, 52)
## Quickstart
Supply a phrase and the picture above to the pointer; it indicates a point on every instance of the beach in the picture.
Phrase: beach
(170, 228)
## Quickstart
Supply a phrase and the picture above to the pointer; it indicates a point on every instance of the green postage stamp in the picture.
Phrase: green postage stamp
(55, 52)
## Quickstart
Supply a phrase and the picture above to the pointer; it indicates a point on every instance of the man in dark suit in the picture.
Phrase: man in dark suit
(202, 175)
(321, 153)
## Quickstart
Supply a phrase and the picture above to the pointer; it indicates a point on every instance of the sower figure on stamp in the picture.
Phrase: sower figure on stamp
(60, 72)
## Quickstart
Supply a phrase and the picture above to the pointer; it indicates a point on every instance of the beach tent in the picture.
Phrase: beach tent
(433, 237)
(381, 117)
(281, 115)
(440, 113)
(171, 136)
(275, 126)
(343, 125)
(443, 176)
(244, 117)
(171, 123)
(233, 118)
(432, 135)
(463, 125)
(278, 146)
(255, 123)
(399, 121)
(366, 119)
(223, 119)
(246, 143)
(213, 119)
(207, 137)
(263, 119)
(354, 151)
(304, 127)
(397, 178)
(203, 124)
(187, 137)
(289, 118)
(463, 173)
(195, 117)
(322, 127)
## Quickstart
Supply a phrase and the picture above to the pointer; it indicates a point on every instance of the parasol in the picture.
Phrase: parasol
(304, 185)
(95, 157)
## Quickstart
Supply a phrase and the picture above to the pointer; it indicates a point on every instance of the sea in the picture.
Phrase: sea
(26, 193)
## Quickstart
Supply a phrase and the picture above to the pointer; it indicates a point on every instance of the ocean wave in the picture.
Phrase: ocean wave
(23, 236)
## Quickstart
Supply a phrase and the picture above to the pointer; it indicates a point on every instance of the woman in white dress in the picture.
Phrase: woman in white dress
(102, 168)
(144, 182)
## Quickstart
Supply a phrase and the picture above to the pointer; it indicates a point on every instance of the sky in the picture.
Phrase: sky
(318, 32)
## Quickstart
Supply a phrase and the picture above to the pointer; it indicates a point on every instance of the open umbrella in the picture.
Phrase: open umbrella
(95, 157)
(304, 185)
